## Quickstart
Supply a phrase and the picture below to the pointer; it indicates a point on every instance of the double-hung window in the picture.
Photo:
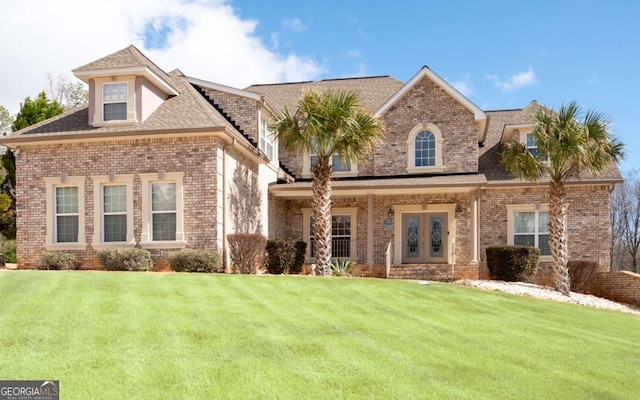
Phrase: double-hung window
(338, 164)
(531, 144)
(425, 149)
(114, 213)
(67, 215)
(530, 227)
(267, 139)
(65, 226)
(113, 200)
(162, 210)
(114, 101)
(343, 232)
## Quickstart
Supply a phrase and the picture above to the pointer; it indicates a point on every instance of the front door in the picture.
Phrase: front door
(424, 238)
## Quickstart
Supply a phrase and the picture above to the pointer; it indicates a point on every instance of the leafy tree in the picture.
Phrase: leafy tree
(569, 141)
(327, 124)
(69, 94)
(31, 112)
(6, 121)
(625, 224)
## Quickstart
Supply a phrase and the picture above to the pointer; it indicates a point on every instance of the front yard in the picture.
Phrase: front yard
(124, 335)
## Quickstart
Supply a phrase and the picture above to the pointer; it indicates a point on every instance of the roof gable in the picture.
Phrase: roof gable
(128, 61)
(479, 115)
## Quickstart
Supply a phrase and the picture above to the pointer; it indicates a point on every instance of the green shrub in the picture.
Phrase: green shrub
(58, 260)
(9, 251)
(583, 275)
(301, 250)
(130, 259)
(512, 263)
(280, 256)
(191, 260)
(246, 251)
(341, 268)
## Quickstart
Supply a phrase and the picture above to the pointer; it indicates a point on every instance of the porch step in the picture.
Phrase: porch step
(431, 272)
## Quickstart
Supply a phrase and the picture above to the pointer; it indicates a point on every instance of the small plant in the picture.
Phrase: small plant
(9, 251)
(125, 259)
(192, 260)
(341, 267)
(512, 263)
(57, 260)
(246, 252)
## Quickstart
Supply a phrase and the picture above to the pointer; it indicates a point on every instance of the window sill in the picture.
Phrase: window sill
(181, 244)
(65, 246)
(416, 170)
(115, 123)
(104, 245)
(346, 174)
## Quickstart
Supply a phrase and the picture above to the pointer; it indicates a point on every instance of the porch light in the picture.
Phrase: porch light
(390, 213)
(458, 209)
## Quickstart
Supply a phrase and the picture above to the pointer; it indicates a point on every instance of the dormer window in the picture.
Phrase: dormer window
(114, 101)
(531, 144)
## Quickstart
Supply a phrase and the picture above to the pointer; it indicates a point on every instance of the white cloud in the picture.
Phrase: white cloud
(464, 85)
(514, 82)
(204, 38)
(294, 24)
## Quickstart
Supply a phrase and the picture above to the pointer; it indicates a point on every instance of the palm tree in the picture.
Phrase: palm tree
(569, 141)
(327, 124)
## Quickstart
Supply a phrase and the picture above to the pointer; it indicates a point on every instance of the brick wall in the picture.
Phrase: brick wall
(620, 286)
(427, 101)
(587, 220)
(197, 157)
(424, 101)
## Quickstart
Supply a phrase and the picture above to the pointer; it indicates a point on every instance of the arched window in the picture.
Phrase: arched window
(424, 149)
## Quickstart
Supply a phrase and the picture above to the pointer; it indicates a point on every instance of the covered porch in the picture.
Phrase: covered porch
(405, 227)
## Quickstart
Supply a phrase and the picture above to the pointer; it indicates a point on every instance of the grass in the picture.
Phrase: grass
(114, 335)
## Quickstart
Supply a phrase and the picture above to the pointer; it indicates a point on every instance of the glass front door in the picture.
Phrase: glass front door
(424, 238)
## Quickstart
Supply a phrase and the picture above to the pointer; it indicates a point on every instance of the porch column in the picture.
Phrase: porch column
(474, 229)
(370, 229)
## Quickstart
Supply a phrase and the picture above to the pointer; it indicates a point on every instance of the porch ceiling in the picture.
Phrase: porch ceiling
(386, 186)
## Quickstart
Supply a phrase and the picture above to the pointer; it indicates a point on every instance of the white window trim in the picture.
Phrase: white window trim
(411, 148)
(307, 213)
(512, 208)
(98, 109)
(146, 236)
(269, 137)
(306, 168)
(51, 184)
(99, 181)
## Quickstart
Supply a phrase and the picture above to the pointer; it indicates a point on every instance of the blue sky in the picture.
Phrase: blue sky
(500, 54)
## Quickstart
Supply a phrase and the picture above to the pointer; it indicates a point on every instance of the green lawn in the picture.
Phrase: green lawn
(124, 335)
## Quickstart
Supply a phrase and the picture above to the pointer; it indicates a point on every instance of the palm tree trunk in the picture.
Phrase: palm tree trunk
(322, 216)
(558, 236)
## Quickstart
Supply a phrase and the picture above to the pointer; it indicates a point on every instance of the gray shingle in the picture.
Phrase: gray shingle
(373, 91)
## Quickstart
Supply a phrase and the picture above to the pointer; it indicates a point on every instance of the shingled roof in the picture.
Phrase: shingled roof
(187, 111)
(373, 91)
(489, 153)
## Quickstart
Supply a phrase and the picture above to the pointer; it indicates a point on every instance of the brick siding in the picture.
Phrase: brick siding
(198, 157)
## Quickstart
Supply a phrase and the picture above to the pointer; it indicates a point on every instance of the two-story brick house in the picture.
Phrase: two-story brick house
(165, 161)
